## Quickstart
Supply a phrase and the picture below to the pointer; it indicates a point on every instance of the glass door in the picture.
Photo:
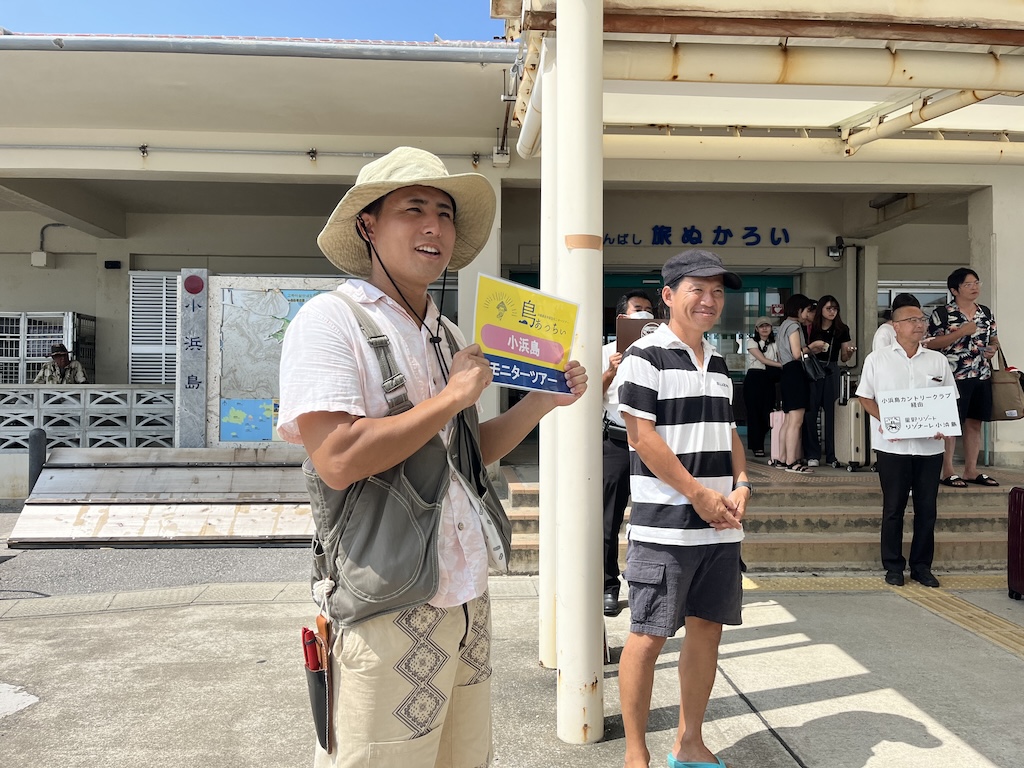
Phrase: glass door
(760, 295)
(931, 294)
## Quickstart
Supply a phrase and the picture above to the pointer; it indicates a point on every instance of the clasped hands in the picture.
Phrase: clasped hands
(719, 511)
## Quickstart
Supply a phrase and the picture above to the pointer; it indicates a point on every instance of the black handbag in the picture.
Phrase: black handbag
(813, 367)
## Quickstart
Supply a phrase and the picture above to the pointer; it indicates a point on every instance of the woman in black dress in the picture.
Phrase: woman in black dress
(828, 326)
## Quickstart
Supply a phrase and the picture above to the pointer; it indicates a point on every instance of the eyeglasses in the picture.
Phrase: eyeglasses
(915, 320)
(972, 284)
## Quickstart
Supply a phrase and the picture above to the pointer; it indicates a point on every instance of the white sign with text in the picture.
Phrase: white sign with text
(918, 413)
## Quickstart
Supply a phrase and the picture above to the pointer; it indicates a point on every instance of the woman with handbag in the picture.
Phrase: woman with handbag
(828, 326)
(793, 348)
(763, 372)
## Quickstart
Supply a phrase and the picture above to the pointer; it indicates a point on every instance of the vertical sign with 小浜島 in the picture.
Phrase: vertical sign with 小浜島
(190, 389)
(525, 334)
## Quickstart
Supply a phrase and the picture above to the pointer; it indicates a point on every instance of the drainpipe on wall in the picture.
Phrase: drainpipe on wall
(921, 112)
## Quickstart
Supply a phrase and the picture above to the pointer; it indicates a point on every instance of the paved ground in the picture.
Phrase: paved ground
(829, 672)
(190, 657)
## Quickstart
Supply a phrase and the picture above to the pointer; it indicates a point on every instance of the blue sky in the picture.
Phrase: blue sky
(341, 19)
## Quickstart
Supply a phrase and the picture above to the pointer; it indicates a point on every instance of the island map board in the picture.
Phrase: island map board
(253, 324)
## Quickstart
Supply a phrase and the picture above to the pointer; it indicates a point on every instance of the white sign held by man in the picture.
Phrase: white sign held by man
(919, 413)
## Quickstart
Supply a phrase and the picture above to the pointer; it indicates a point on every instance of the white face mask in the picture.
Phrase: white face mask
(641, 315)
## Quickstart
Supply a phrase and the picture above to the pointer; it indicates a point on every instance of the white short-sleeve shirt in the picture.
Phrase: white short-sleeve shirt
(326, 365)
(884, 337)
(889, 370)
(611, 395)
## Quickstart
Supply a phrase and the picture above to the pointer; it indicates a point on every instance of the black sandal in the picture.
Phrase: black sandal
(799, 468)
(983, 480)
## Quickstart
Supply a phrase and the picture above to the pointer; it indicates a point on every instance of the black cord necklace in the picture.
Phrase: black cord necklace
(435, 340)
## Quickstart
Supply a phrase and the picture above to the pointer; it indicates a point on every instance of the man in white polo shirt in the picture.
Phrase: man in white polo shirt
(911, 464)
(689, 487)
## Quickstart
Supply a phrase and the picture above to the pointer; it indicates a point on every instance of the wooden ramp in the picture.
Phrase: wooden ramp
(167, 495)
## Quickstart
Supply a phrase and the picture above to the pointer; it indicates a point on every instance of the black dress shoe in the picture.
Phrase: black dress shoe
(925, 577)
(611, 604)
(895, 578)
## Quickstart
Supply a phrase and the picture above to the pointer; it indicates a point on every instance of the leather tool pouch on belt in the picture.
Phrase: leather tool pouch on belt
(376, 540)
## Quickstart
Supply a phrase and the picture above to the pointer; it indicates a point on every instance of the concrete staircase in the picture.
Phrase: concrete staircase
(826, 522)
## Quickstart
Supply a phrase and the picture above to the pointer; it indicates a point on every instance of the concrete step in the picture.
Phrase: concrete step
(823, 552)
(829, 491)
(866, 519)
(849, 519)
(789, 551)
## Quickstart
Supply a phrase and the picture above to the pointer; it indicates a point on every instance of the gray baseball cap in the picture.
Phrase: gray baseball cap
(698, 263)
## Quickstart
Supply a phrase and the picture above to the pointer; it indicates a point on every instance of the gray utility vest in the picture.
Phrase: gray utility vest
(376, 540)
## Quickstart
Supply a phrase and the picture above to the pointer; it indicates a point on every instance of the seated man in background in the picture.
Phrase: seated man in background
(62, 369)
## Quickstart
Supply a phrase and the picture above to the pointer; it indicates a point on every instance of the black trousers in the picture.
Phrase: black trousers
(824, 394)
(899, 475)
(759, 398)
(616, 494)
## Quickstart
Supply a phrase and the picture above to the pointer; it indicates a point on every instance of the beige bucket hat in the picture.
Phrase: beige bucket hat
(408, 167)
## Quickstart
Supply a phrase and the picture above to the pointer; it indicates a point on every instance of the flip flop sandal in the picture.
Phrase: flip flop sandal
(984, 480)
(673, 763)
(954, 481)
(800, 469)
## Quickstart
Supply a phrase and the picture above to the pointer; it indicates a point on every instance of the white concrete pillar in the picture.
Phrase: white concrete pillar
(112, 288)
(549, 426)
(997, 245)
(867, 289)
(851, 305)
(580, 179)
(488, 262)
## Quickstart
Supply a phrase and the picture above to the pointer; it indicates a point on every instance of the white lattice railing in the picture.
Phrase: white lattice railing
(87, 416)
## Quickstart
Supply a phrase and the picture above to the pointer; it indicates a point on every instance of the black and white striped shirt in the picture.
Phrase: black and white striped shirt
(691, 408)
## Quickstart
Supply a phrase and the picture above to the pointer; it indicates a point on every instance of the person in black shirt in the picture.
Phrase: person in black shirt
(828, 326)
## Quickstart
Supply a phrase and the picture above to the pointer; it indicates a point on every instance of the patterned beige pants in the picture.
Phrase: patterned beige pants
(413, 690)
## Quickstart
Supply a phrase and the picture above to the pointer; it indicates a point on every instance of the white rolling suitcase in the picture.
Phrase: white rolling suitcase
(853, 446)
(847, 385)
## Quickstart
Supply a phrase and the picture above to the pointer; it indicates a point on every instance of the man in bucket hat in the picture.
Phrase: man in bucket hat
(415, 682)
(62, 369)
(689, 488)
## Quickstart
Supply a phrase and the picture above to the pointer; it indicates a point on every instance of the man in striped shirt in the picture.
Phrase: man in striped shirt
(689, 487)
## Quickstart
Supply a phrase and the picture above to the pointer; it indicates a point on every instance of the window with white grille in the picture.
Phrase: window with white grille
(26, 339)
(153, 327)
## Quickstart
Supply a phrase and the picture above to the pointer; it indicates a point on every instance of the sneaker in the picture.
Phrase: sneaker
(813, 463)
